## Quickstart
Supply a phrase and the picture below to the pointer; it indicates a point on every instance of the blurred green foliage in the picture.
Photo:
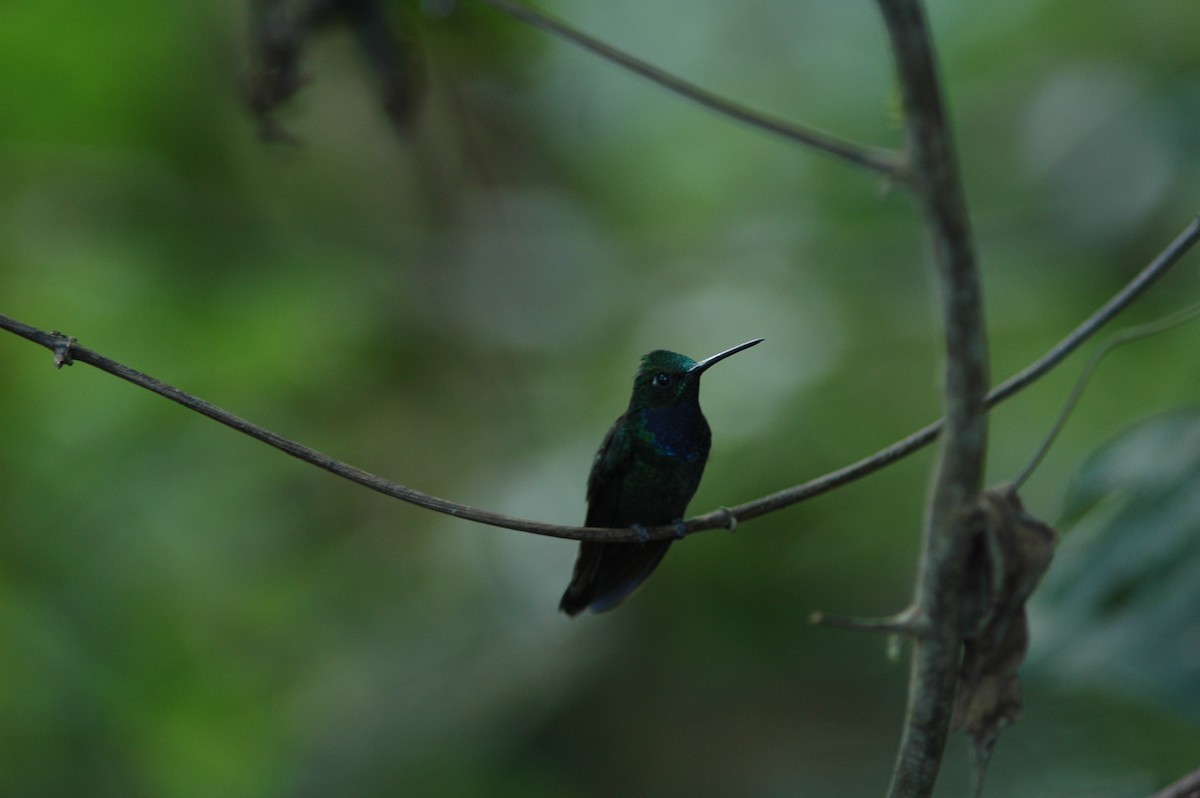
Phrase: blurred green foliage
(184, 612)
(1121, 609)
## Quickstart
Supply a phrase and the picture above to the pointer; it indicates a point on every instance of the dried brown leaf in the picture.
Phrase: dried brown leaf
(1012, 554)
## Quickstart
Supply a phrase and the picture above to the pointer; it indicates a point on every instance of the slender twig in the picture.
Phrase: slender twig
(721, 518)
(1112, 342)
(904, 623)
(1183, 242)
(938, 188)
(68, 351)
(1186, 787)
(928, 434)
(881, 161)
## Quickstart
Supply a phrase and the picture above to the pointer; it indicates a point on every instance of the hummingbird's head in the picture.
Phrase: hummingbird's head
(667, 378)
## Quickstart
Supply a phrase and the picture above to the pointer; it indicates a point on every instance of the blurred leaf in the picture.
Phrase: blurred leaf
(279, 36)
(1122, 601)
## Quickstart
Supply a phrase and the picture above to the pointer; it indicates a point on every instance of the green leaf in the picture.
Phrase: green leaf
(1120, 608)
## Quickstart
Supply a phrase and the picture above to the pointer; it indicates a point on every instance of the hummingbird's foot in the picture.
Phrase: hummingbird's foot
(643, 535)
(680, 529)
(730, 519)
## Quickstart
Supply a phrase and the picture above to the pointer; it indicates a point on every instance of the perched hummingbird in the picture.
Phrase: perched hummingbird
(645, 473)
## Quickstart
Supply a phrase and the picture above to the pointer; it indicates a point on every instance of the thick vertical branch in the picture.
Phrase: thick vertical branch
(938, 188)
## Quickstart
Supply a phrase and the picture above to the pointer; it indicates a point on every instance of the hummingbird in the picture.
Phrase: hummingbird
(644, 474)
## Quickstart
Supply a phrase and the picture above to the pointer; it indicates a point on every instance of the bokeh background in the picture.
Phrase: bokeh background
(186, 612)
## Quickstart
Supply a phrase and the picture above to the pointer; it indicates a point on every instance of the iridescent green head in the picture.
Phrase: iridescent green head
(667, 378)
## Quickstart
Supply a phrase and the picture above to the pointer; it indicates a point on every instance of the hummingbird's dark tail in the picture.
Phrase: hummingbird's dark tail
(608, 573)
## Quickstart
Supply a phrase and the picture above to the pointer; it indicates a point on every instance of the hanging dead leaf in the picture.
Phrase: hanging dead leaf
(1012, 554)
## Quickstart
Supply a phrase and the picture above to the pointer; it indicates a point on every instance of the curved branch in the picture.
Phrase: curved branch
(881, 161)
(66, 350)
(1162, 262)
(1159, 266)
(1115, 341)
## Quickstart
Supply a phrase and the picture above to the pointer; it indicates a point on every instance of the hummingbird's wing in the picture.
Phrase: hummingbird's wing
(613, 462)
(608, 573)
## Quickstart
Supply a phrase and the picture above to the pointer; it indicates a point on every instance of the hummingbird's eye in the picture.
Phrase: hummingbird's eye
(662, 379)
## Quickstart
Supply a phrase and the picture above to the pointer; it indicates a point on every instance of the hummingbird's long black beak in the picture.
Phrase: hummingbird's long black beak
(708, 361)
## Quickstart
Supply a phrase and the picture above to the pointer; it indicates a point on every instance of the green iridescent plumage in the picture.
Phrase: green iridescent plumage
(644, 475)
